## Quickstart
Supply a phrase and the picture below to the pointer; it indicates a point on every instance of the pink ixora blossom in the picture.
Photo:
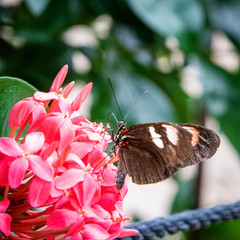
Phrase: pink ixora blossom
(5, 219)
(56, 182)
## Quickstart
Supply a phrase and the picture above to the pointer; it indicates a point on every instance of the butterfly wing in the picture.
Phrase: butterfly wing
(153, 152)
(142, 165)
(205, 144)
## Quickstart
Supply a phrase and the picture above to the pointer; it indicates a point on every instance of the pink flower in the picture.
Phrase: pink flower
(60, 168)
(28, 110)
(58, 127)
(5, 219)
(23, 157)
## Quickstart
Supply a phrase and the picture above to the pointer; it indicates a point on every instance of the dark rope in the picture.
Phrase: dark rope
(185, 221)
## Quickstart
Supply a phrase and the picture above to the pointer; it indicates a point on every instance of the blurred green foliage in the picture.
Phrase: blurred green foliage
(12, 90)
(139, 45)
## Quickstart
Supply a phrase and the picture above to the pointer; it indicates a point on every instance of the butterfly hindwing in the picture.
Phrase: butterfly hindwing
(141, 165)
(206, 144)
(152, 152)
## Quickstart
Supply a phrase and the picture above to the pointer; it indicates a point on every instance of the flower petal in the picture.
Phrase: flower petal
(4, 167)
(38, 114)
(10, 147)
(80, 98)
(80, 119)
(50, 237)
(76, 236)
(94, 231)
(63, 106)
(17, 171)
(49, 150)
(115, 229)
(108, 176)
(54, 191)
(50, 126)
(33, 142)
(5, 221)
(89, 189)
(81, 149)
(39, 192)
(119, 208)
(70, 178)
(59, 79)
(85, 190)
(108, 201)
(74, 232)
(73, 161)
(62, 218)
(128, 232)
(101, 212)
(67, 133)
(20, 112)
(66, 91)
(4, 205)
(41, 168)
(43, 96)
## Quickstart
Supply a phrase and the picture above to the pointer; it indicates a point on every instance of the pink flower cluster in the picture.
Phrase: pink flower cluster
(55, 179)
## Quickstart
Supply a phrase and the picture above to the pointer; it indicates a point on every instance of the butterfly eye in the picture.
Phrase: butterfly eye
(121, 124)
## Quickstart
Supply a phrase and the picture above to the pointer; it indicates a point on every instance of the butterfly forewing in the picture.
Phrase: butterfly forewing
(152, 152)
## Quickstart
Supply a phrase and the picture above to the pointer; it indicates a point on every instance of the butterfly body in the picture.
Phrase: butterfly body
(152, 152)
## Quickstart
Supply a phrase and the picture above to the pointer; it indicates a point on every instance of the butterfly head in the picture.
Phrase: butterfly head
(118, 137)
(121, 125)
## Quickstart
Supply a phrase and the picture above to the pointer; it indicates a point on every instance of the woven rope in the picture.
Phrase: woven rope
(185, 221)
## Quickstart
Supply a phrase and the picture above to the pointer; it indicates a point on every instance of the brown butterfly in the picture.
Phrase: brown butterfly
(152, 152)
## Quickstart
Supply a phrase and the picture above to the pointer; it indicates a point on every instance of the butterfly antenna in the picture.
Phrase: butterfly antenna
(135, 104)
(113, 116)
(115, 99)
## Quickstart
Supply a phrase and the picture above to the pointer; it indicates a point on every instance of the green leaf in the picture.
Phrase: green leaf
(182, 201)
(222, 97)
(170, 84)
(37, 7)
(222, 231)
(169, 17)
(11, 91)
(224, 15)
(155, 106)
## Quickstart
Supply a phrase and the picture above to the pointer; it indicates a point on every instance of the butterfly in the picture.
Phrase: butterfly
(152, 152)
